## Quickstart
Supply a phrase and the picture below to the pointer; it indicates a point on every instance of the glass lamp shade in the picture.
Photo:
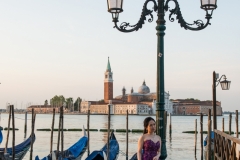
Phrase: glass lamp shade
(208, 4)
(225, 84)
(115, 6)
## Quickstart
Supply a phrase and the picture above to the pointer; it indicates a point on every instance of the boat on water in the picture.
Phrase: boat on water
(75, 152)
(134, 157)
(20, 150)
(1, 136)
(101, 154)
(206, 146)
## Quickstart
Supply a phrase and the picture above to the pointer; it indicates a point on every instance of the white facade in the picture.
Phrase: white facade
(132, 108)
(85, 106)
(114, 108)
(168, 104)
(7, 108)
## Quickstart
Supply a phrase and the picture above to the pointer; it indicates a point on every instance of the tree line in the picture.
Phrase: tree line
(68, 103)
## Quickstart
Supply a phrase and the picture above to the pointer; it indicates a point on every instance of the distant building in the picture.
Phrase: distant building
(141, 102)
(3, 110)
(194, 107)
(15, 109)
(43, 109)
(115, 108)
(7, 108)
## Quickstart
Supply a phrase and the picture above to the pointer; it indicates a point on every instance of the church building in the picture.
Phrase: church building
(141, 102)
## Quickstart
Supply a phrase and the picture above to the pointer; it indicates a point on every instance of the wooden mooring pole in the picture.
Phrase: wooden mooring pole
(209, 114)
(25, 125)
(62, 136)
(59, 128)
(53, 121)
(170, 125)
(209, 135)
(13, 134)
(230, 123)
(9, 119)
(127, 136)
(209, 140)
(108, 135)
(201, 132)
(32, 133)
(88, 120)
(237, 124)
(222, 124)
(195, 137)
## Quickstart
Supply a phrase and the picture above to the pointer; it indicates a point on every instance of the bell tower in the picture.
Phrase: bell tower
(108, 83)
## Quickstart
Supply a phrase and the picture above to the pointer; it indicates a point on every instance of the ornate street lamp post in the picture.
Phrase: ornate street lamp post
(225, 84)
(160, 7)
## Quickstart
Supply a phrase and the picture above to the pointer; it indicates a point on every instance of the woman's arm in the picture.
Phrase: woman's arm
(140, 146)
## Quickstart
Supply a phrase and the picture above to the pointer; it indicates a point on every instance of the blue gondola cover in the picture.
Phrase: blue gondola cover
(74, 152)
(114, 150)
(1, 136)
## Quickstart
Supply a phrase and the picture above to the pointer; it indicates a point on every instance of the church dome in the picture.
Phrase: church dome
(143, 89)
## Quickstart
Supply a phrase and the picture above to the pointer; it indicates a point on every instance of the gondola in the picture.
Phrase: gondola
(1, 136)
(75, 152)
(20, 149)
(134, 157)
(113, 150)
(206, 146)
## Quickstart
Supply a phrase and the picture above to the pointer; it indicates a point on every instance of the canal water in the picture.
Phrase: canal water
(179, 146)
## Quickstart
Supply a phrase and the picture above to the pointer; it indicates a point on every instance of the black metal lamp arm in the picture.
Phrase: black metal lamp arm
(195, 26)
(199, 25)
(218, 80)
(145, 12)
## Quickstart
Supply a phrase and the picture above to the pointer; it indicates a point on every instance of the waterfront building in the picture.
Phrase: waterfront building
(43, 109)
(141, 102)
(3, 110)
(7, 108)
(194, 107)
(17, 110)
(168, 104)
(115, 108)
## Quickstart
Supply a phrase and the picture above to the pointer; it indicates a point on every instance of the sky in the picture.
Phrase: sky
(61, 47)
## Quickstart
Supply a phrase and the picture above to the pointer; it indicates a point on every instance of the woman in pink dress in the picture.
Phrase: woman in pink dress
(149, 144)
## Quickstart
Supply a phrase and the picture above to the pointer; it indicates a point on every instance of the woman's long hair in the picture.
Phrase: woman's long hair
(145, 123)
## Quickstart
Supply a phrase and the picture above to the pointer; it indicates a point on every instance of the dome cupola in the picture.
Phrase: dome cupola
(143, 89)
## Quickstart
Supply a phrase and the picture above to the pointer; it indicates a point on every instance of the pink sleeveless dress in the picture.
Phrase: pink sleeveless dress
(150, 149)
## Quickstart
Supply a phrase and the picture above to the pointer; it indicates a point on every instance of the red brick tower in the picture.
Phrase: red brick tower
(108, 84)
